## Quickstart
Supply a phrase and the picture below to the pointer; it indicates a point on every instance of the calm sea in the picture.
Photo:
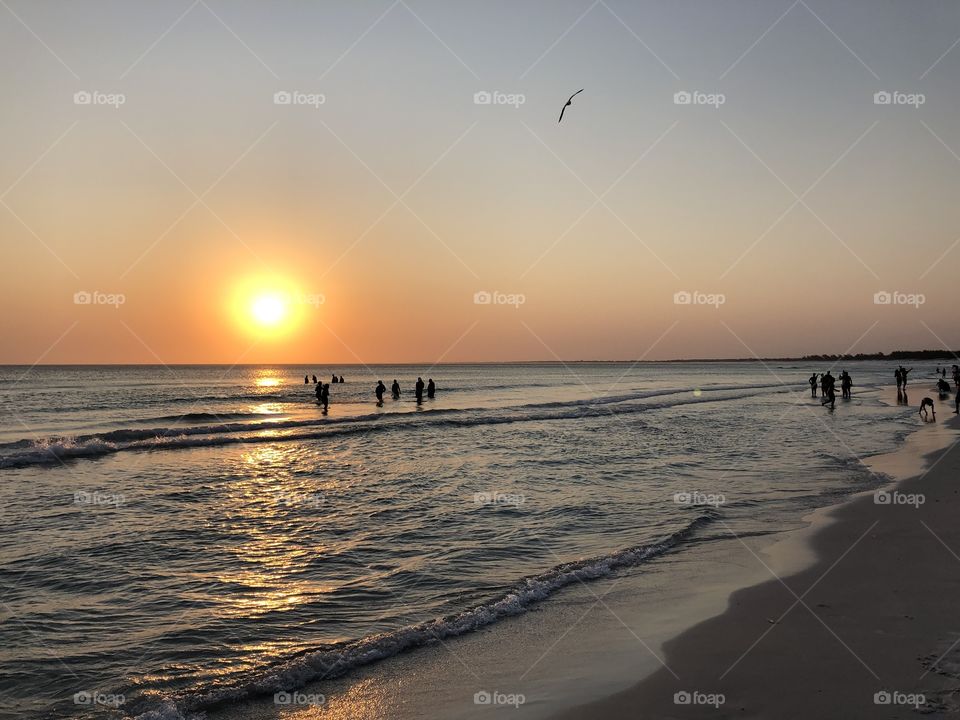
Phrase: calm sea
(205, 534)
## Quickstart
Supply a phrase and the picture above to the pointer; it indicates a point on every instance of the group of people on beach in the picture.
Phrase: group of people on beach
(323, 390)
(826, 383)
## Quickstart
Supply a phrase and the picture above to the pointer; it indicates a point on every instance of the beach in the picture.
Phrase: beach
(868, 630)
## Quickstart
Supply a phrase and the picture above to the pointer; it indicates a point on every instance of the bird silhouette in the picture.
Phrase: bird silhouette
(569, 102)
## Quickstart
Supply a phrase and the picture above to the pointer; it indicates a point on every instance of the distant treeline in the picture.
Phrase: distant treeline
(896, 355)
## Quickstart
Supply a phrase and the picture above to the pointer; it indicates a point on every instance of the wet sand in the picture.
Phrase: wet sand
(869, 630)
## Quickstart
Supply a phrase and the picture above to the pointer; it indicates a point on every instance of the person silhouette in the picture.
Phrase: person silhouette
(381, 388)
(395, 389)
(341, 379)
(924, 404)
(903, 374)
(956, 376)
(333, 379)
(899, 377)
(943, 388)
(306, 380)
(419, 389)
(813, 385)
(431, 388)
(846, 382)
(314, 379)
(325, 396)
(319, 393)
(829, 394)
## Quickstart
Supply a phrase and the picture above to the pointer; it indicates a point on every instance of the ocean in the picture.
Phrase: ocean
(179, 539)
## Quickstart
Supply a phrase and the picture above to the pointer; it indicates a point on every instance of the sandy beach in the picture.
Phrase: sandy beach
(869, 630)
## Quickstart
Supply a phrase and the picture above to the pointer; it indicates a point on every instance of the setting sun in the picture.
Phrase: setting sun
(270, 309)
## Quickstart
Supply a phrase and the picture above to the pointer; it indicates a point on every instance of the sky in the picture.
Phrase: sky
(204, 181)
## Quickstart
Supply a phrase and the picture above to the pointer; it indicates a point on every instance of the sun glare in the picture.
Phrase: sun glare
(268, 306)
(269, 309)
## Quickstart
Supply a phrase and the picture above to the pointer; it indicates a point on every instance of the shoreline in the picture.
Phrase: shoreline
(856, 603)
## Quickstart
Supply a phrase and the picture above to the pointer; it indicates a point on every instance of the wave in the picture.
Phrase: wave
(335, 660)
(58, 450)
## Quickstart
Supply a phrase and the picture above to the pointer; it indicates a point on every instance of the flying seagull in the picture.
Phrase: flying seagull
(569, 101)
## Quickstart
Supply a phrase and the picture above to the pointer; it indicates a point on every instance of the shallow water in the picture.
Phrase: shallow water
(206, 534)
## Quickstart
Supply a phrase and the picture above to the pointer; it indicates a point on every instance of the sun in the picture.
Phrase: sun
(268, 307)
(269, 310)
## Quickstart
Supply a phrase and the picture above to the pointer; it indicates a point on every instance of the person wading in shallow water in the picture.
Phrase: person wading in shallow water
(813, 385)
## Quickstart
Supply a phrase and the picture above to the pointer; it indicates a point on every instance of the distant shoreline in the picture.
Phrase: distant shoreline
(897, 355)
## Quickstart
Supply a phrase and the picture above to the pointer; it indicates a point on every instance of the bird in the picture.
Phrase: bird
(569, 102)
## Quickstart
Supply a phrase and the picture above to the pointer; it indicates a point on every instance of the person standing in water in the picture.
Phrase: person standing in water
(846, 382)
(381, 389)
(319, 393)
(341, 379)
(903, 374)
(306, 380)
(899, 378)
(813, 385)
(314, 379)
(431, 388)
(395, 389)
(333, 379)
(829, 394)
(325, 397)
(419, 389)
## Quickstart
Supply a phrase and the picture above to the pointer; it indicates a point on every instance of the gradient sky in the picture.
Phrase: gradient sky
(199, 186)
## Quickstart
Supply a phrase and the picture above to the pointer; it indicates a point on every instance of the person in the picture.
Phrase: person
(319, 393)
(306, 380)
(956, 376)
(813, 385)
(431, 388)
(325, 396)
(333, 379)
(341, 378)
(395, 389)
(903, 374)
(899, 377)
(924, 404)
(846, 382)
(956, 403)
(419, 389)
(943, 387)
(381, 388)
(829, 394)
(314, 379)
